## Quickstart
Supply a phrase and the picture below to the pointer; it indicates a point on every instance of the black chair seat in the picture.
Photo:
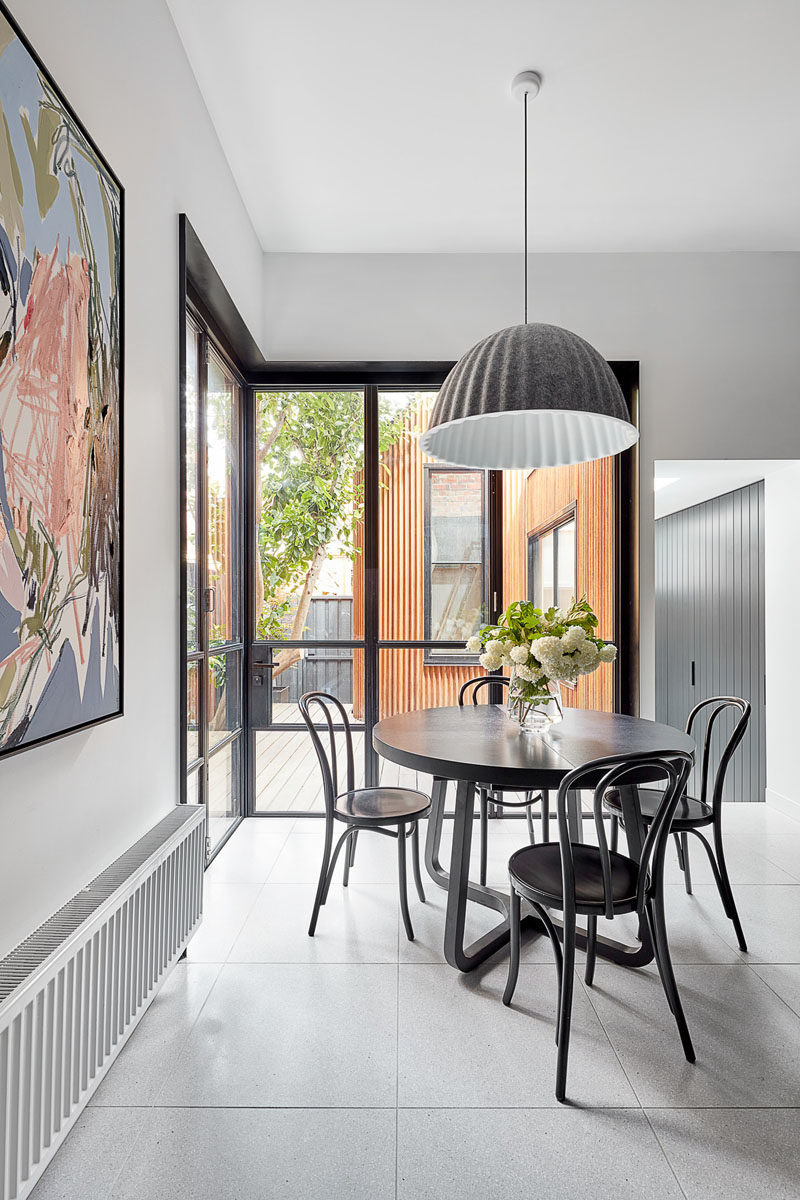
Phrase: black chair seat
(536, 873)
(690, 813)
(381, 804)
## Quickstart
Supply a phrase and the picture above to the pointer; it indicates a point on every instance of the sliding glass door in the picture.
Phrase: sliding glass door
(372, 565)
(326, 552)
(214, 576)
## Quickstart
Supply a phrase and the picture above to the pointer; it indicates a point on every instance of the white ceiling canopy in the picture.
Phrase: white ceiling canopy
(366, 127)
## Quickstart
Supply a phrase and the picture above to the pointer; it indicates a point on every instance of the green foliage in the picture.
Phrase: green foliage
(312, 490)
(523, 622)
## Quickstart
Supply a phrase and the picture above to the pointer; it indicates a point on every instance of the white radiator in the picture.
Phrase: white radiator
(72, 992)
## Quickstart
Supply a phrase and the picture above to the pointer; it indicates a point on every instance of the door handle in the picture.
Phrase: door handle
(692, 672)
(210, 596)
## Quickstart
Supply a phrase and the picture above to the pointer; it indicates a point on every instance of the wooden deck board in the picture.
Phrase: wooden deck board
(288, 776)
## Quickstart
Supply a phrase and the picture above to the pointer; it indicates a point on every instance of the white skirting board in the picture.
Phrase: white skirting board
(791, 808)
(72, 993)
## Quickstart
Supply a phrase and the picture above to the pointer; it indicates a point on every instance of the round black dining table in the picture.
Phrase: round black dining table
(479, 744)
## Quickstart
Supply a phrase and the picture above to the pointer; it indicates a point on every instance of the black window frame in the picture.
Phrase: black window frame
(213, 304)
(447, 657)
(564, 517)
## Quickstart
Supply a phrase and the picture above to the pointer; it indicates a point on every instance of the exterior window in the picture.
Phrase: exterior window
(456, 557)
(552, 564)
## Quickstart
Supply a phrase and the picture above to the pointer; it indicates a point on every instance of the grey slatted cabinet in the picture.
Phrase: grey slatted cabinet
(710, 621)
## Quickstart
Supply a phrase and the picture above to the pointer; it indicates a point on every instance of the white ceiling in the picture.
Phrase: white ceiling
(680, 484)
(367, 126)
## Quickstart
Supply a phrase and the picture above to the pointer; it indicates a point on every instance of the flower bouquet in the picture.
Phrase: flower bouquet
(542, 650)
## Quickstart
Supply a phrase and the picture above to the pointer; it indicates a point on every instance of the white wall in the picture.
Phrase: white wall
(67, 809)
(717, 337)
(782, 585)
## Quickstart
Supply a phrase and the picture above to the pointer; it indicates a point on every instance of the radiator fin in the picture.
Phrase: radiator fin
(71, 993)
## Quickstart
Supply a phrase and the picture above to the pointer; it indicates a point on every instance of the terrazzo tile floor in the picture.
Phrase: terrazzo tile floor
(359, 1065)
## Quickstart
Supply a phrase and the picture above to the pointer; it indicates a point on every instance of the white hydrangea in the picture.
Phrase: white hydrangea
(493, 646)
(529, 673)
(491, 661)
(608, 653)
(473, 645)
(519, 654)
(573, 638)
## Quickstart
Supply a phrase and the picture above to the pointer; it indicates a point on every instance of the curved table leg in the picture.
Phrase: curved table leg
(459, 888)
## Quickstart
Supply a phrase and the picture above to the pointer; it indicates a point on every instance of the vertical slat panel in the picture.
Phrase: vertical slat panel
(709, 604)
(55, 1045)
(26, 1090)
(4, 1112)
(37, 1075)
(48, 1048)
(14, 1097)
(59, 1049)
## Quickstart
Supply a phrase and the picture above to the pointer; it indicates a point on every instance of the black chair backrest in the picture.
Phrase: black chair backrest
(724, 704)
(480, 681)
(328, 761)
(615, 771)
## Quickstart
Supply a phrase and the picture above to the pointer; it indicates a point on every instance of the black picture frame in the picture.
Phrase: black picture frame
(8, 750)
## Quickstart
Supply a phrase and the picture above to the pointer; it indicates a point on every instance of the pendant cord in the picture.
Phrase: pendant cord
(525, 195)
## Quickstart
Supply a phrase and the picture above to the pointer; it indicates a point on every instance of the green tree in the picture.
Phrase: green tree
(310, 464)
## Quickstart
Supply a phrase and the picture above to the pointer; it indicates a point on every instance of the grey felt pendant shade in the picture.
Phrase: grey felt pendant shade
(529, 396)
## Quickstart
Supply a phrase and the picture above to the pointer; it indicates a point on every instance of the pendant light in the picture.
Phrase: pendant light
(531, 395)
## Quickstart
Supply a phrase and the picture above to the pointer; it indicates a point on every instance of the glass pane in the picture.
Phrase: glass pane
(309, 508)
(432, 532)
(191, 484)
(287, 774)
(224, 695)
(224, 801)
(223, 503)
(545, 583)
(322, 668)
(566, 563)
(193, 788)
(408, 682)
(192, 712)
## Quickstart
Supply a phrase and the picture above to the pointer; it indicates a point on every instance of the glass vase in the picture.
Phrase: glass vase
(535, 707)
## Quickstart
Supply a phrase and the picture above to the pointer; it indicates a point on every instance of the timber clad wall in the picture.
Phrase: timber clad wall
(529, 501)
(590, 486)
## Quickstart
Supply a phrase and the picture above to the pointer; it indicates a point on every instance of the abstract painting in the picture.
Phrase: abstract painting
(60, 411)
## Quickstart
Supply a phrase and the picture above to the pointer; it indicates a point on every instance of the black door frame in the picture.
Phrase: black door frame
(200, 285)
(373, 378)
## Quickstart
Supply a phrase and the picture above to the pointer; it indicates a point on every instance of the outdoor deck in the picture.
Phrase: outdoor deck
(288, 776)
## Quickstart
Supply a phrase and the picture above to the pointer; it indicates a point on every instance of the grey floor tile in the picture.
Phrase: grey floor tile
(784, 979)
(292, 1035)
(724, 1154)
(770, 917)
(90, 1159)
(154, 1046)
(766, 832)
(746, 1039)
(358, 924)
(459, 1046)
(251, 853)
(745, 864)
(566, 1154)
(301, 856)
(225, 909)
(264, 1154)
(692, 926)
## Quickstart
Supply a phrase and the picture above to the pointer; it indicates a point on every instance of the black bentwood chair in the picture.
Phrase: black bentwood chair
(490, 793)
(693, 815)
(360, 808)
(597, 882)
